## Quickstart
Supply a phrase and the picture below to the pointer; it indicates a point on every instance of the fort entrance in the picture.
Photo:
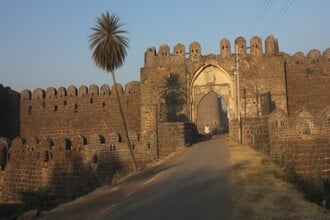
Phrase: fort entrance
(212, 97)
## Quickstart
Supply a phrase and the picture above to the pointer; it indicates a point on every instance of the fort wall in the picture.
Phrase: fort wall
(84, 111)
(67, 166)
(70, 166)
(301, 140)
(9, 112)
(308, 80)
(175, 135)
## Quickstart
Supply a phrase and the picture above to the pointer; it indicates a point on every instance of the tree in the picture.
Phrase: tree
(174, 96)
(108, 45)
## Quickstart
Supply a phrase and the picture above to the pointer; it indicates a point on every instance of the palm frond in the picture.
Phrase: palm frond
(108, 43)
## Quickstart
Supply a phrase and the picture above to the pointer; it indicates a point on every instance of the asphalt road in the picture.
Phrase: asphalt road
(194, 185)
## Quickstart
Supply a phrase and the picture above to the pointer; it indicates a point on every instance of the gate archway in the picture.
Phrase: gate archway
(210, 82)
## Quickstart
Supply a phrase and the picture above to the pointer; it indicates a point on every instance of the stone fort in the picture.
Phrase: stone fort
(70, 138)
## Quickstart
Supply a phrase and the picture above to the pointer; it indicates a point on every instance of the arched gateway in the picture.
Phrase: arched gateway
(209, 85)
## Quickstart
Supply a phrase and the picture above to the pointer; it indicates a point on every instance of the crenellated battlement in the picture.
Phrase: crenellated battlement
(195, 50)
(255, 48)
(53, 149)
(313, 54)
(132, 88)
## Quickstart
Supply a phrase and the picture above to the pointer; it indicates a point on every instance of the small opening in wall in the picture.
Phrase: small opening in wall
(43, 104)
(75, 108)
(133, 146)
(55, 108)
(91, 100)
(94, 158)
(297, 62)
(103, 104)
(102, 139)
(30, 110)
(148, 145)
(68, 144)
(64, 103)
(46, 156)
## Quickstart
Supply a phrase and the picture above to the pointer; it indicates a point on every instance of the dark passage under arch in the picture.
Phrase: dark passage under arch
(212, 111)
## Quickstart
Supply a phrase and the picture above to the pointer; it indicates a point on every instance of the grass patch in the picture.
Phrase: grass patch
(115, 178)
(314, 188)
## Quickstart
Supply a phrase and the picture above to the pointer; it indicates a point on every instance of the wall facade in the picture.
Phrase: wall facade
(308, 81)
(84, 111)
(261, 75)
(253, 83)
(173, 136)
(66, 166)
(301, 140)
(9, 112)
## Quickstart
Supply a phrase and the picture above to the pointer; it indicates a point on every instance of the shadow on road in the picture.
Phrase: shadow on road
(196, 187)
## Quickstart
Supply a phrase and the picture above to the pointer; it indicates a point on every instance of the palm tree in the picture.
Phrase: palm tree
(108, 45)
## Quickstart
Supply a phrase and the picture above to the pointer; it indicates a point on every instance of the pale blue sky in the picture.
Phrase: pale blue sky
(44, 43)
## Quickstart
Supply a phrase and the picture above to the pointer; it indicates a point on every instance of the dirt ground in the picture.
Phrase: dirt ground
(257, 194)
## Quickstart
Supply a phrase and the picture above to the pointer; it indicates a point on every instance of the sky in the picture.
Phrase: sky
(44, 43)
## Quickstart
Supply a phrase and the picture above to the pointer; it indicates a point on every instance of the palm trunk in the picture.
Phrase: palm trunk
(124, 122)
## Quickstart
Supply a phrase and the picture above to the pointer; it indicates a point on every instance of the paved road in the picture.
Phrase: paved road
(195, 185)
(191, 184)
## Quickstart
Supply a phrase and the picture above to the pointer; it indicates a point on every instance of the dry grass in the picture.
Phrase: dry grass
(257, 194)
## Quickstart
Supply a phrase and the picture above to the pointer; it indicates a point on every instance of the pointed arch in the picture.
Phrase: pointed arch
(211, 77)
